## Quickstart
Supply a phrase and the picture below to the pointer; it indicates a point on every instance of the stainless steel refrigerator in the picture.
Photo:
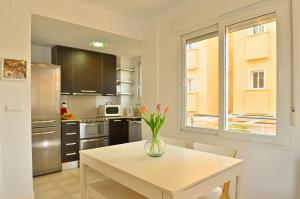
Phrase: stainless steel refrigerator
(45, 113)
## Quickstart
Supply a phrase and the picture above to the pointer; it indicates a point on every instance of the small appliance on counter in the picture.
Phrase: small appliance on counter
(110, 110)
(130, 111)
(65, 114)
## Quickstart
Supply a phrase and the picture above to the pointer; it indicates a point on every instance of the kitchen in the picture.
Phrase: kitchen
(84, 92)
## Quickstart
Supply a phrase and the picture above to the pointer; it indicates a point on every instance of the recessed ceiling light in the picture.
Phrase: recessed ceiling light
(98, 44)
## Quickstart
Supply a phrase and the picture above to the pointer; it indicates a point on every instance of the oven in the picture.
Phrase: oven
(94, 134)
(93, 143)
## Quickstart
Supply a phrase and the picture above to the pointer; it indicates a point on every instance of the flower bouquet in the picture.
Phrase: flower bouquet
(155, 120)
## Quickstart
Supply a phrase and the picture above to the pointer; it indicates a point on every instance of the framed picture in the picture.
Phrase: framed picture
(13, 69)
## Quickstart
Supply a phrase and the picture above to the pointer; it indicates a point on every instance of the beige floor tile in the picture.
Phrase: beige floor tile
(41, 180)
(72, 189)
(63, 197)
(45, 187)
(68, 181)
(62, 185)
(61, 175)
(50, 194)
(76, 196)
(75, 172)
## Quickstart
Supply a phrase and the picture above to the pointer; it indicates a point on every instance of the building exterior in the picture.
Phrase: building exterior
(251, 75)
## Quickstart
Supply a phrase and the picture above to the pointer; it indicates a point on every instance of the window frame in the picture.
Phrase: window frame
(284, 79)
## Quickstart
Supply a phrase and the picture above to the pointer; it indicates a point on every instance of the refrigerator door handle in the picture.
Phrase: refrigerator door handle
(44, 121)
(44, 133)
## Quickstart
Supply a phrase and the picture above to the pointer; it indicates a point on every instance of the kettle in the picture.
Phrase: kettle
(130, 111)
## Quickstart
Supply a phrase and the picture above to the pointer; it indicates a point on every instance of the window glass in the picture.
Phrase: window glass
(252, 110)
(201, 107)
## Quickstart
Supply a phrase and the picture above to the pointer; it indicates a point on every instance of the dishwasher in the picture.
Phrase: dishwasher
(134, 130)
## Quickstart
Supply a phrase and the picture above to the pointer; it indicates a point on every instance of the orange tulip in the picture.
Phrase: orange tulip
(158, 107)
(166, 109)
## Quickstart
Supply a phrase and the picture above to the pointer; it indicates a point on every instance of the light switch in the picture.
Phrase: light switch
(14, 108)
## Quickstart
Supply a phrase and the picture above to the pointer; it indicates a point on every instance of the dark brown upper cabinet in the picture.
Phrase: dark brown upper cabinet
(85, 72)
(87, 77)
(109, 75)
(63, 56)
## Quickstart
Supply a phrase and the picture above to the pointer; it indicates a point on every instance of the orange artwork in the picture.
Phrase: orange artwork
(14, 69)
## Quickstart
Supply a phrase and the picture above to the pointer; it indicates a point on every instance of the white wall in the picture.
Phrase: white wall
(82, 14)
(40, 54)
(15, 39)
(15, 133)
(270, 171)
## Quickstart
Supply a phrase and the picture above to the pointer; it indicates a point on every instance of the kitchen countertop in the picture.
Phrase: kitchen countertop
(109, 117)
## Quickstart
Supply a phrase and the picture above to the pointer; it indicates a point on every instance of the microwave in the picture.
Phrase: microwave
(110, 110)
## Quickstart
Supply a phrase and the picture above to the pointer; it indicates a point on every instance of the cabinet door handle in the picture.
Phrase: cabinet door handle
(73, 123)
(44, 133)
(71, 133)
(71, 144)
(93, 140)
(70, 154)
(44, 121)
(65, 93)
(109, 94)
(88, 91)
(117, 120)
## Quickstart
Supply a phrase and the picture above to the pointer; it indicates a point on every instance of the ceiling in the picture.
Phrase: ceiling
(51, 32)
(132, 8)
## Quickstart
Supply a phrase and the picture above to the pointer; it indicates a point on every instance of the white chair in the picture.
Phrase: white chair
(221, 192)
(174, 142)
(110, 189)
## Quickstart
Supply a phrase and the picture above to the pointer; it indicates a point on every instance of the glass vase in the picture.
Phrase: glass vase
(155, 147)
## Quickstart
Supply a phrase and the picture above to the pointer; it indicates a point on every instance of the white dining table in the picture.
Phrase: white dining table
(180, 173)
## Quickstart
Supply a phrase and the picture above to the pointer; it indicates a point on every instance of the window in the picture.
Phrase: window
(257, 29)
(201, 91)
(251, 112)
(239, 82)
(192, 85)
(257, 79)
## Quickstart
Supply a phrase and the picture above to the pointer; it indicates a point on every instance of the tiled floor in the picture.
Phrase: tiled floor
(61, 185)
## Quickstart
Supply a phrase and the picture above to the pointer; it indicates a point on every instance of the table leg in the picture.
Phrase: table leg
(238, 188)
(83, 181)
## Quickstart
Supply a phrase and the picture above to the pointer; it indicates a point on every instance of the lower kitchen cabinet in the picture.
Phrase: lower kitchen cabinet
(70, 141)
(133, 129)
(124, 130)
(117, 132)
